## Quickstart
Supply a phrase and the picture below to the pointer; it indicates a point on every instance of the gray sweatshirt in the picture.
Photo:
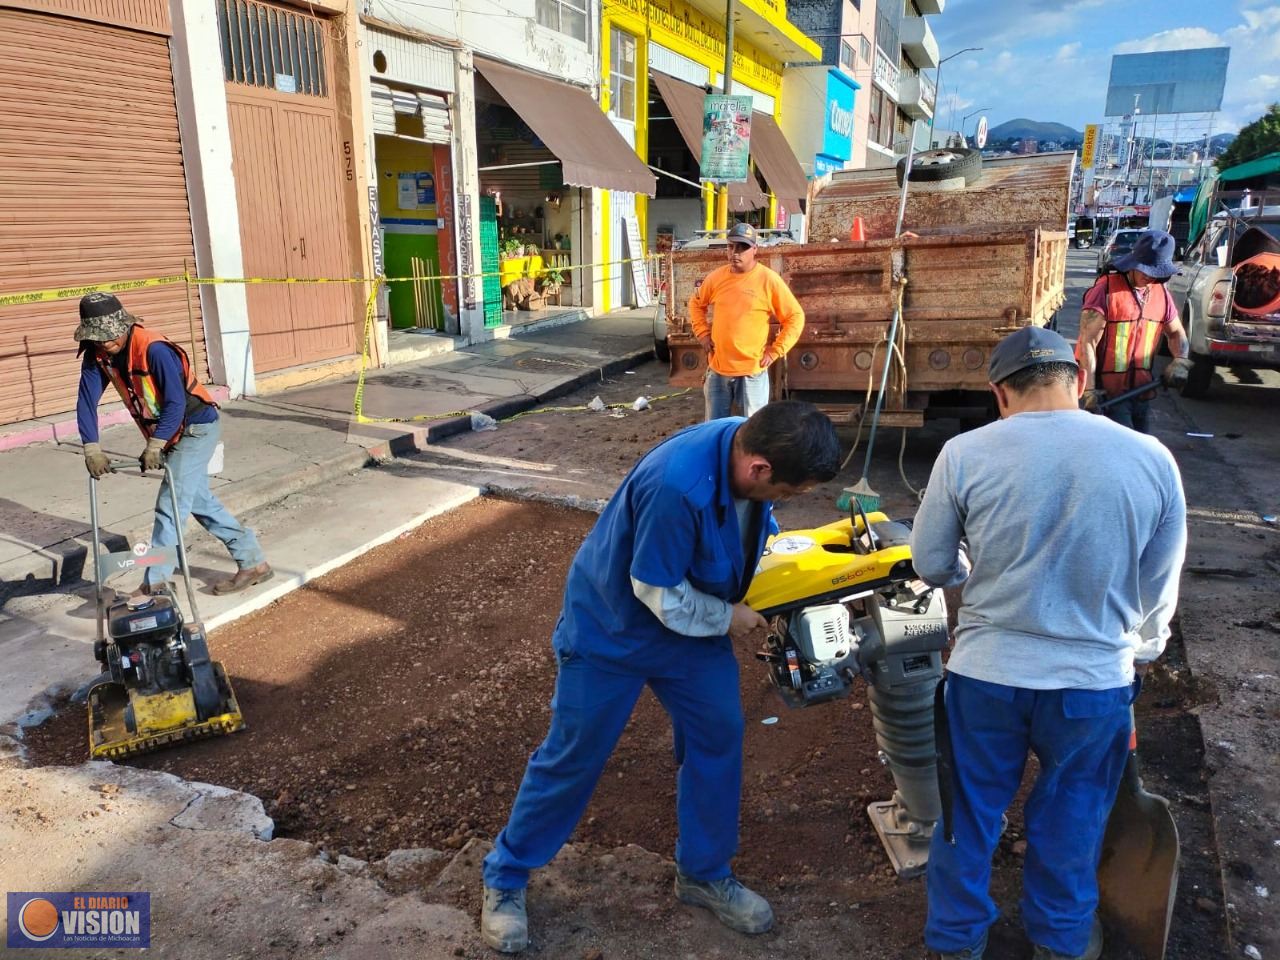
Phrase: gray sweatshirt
(1076, 531)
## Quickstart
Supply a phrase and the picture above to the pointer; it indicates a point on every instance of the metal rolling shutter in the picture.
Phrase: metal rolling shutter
(91, 190)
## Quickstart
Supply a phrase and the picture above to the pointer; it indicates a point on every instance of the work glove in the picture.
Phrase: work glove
(96, 462)
(1175, 374)
(1092, 399)
(153, 457)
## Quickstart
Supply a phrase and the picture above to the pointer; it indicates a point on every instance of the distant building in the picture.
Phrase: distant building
(1026, 146)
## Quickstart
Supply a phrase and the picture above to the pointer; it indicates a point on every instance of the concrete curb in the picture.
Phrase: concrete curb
(509, 406)
(56, 561)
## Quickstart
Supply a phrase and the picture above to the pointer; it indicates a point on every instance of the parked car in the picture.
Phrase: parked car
(1116, 245)
(1229, 300)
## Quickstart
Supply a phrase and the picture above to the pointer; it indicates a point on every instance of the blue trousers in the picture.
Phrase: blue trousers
(189, 466)
(1081, 738)
(1133, 413)
(721, 393)
(588, 713)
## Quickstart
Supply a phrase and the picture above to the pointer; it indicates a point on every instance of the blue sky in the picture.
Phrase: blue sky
(1049, 59)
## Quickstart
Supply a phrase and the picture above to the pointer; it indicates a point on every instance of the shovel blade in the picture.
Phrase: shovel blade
(1138, 870)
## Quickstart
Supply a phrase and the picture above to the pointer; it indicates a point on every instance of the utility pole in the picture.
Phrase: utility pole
(722, 195)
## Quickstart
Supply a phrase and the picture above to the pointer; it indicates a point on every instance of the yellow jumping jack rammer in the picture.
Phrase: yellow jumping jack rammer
(158, 684)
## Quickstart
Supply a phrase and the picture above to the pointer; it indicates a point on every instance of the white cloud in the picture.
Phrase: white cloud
(1068, 52)
(1182, 38)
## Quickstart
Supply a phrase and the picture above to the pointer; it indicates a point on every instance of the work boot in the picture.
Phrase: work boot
(1091, 952)
(733, 904)
(971, 953)
(504, 923)
(152, 590)
(245, 578)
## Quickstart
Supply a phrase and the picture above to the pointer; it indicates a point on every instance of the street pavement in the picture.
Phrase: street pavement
(296, 468)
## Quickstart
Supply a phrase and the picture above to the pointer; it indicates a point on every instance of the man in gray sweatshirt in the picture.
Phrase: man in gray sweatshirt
(1068, 533)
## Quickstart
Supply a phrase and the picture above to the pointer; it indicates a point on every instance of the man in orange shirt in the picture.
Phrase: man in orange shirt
(745, 295)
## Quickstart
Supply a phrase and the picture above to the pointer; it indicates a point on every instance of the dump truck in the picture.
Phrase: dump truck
(980, 259)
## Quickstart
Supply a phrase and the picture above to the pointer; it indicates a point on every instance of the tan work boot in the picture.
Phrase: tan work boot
(733, 904)
(504, 923)
(1092, 950)
(245, 578)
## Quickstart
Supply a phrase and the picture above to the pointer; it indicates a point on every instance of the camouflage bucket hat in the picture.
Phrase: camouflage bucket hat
(102, 318)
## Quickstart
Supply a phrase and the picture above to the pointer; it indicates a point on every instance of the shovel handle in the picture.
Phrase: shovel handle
(1130, 780)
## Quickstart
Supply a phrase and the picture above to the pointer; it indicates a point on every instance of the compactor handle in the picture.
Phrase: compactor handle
(167, 475)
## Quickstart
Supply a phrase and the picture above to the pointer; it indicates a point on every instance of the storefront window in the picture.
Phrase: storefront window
(566, 16)
(622, 75)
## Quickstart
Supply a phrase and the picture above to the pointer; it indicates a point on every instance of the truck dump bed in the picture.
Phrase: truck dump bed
(987, 260)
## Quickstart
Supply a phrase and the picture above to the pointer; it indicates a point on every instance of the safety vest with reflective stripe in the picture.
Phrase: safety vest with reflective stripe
(139, 390)
(1129, 340)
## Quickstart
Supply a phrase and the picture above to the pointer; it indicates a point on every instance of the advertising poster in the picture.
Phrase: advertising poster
(726, 138)
(1089, 150)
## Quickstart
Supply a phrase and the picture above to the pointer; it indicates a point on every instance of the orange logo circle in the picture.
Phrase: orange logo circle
(38, 919)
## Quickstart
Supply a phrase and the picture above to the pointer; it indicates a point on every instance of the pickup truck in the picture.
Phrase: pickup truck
(980, 260)
(1225, 286)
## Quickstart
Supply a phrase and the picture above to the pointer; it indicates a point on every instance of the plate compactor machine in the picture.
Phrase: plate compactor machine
(158, 684)
(843, 602)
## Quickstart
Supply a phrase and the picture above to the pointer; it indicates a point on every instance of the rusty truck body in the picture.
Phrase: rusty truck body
(978, 262)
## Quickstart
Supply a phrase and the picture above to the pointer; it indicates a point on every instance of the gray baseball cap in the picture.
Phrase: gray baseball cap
(102, 318)
(742, 233)
(1027, 348)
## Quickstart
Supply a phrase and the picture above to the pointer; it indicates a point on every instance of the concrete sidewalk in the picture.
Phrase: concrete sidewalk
(292, 471)
(289, 441)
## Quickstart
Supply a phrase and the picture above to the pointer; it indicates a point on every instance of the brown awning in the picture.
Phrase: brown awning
(591, 152)
(781, 169)
(684, 100)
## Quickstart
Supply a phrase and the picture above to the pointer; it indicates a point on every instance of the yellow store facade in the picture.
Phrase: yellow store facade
(682, 43)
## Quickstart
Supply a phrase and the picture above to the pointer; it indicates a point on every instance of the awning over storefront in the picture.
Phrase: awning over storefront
(591, 152)
(782, 171)
(684, 100)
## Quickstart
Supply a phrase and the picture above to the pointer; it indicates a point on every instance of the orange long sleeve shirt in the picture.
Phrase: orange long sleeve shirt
(742, 304)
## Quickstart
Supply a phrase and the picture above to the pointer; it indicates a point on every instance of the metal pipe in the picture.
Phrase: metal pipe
(182, 544)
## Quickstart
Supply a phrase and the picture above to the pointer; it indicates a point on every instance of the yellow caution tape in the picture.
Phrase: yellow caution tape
(68, 293)
(119, 286)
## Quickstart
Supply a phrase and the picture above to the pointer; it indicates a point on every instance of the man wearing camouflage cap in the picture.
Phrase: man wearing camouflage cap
(178, 417)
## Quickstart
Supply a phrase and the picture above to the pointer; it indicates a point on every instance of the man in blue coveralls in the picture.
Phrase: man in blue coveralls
(654, 597)
(1076, 530)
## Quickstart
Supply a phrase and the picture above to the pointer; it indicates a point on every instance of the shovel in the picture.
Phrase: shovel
(1138, 869)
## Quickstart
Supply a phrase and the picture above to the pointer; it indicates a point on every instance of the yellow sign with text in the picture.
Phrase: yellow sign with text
(1089, 150)
(699, 36)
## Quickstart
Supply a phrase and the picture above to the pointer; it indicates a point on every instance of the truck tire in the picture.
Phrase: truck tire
(1198, 378)
(662, 350)
(945, 163)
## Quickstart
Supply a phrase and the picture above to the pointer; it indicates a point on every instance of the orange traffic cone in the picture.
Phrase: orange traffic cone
(858, 232)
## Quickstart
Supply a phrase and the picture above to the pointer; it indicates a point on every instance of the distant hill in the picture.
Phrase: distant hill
(1024, 129)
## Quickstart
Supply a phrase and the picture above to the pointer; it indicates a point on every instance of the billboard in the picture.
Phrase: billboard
(1170, 81)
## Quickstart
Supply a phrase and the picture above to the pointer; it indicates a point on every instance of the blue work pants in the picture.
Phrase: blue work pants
(1081, 738)
(721, 393)
(1133, 413)
(588, 713)
(189, 466)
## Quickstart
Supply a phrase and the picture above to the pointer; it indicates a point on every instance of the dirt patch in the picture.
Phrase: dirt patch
(394, 702)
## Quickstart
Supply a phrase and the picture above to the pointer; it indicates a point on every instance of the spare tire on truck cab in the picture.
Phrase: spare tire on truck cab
(944, 163)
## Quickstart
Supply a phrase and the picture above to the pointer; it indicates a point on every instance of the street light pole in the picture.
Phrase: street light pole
(937, 82)
(722, 194)
(971, 113)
